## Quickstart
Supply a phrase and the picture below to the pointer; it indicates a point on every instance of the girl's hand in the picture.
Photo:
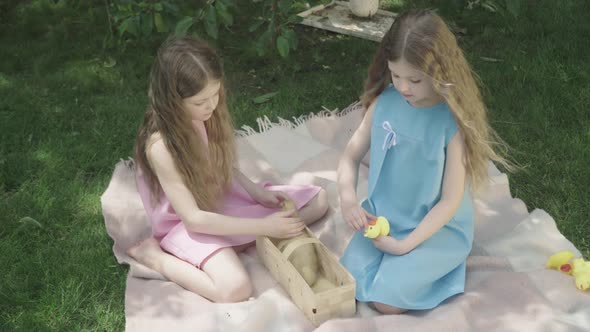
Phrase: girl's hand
(269, 198)
(355, 215)
(282, 225)
(390, 245)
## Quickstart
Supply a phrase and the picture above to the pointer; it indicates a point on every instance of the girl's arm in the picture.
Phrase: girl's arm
(452, 194)
(252, 188)
(199, 221)
(268, 198)
(348, 168)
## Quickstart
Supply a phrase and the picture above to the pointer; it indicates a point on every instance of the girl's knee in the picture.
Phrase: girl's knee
(387, 309)
(320, 205)
(238, 291)
(323, 204)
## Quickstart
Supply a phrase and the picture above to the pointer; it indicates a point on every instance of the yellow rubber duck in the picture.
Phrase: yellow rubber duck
(377, 227)
(578, 268)
(557, 260)
(581, 272)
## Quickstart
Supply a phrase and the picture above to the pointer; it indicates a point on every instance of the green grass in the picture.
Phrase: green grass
(67, 115)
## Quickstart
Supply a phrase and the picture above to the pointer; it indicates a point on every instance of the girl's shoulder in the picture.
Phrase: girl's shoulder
(154, 142)
(449, 123)
(157, 151)
(153, 138)
(160, 158)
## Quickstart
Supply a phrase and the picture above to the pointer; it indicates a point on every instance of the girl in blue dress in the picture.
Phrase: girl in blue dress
(430, 142)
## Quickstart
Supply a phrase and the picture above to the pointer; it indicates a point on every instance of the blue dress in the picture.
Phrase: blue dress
(408, 152)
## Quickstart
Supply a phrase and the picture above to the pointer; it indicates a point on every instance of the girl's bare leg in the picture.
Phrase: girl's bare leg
(232, 282)
(315, 209)
(222, 279)
(387, 309)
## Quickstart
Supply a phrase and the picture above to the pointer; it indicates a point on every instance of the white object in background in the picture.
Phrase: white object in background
(364, 8)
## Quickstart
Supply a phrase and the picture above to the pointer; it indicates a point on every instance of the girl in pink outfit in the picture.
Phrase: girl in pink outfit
(202, 209)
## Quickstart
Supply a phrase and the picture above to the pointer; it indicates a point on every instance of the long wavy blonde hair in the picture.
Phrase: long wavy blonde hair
(182, 68)
(423, 39)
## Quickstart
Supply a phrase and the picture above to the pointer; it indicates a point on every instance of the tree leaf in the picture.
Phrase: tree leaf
(263, 42)
(264, 98)
(291, 37)
(285, 6)
(227, 3)
(170, 6)
(224, 15)
(183, 25)
(147, 24)
(199, 13)
(255, 26)
(211, 22)
(295, 19)
(123, 27)
(118, 16)
(283, 46)
(159, 22)
(133, 25)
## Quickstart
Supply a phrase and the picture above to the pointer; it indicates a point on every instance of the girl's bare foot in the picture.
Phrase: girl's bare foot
(146, 252)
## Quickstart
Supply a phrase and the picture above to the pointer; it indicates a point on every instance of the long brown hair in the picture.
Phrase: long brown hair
(424, 40)
(182, 68)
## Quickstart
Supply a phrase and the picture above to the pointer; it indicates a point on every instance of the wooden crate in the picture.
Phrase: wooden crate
(321, 305)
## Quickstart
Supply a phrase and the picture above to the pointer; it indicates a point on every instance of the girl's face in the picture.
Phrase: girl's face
(202, 105)
(415, 86)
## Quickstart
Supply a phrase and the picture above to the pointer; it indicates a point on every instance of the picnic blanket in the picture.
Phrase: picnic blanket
(507, 286)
